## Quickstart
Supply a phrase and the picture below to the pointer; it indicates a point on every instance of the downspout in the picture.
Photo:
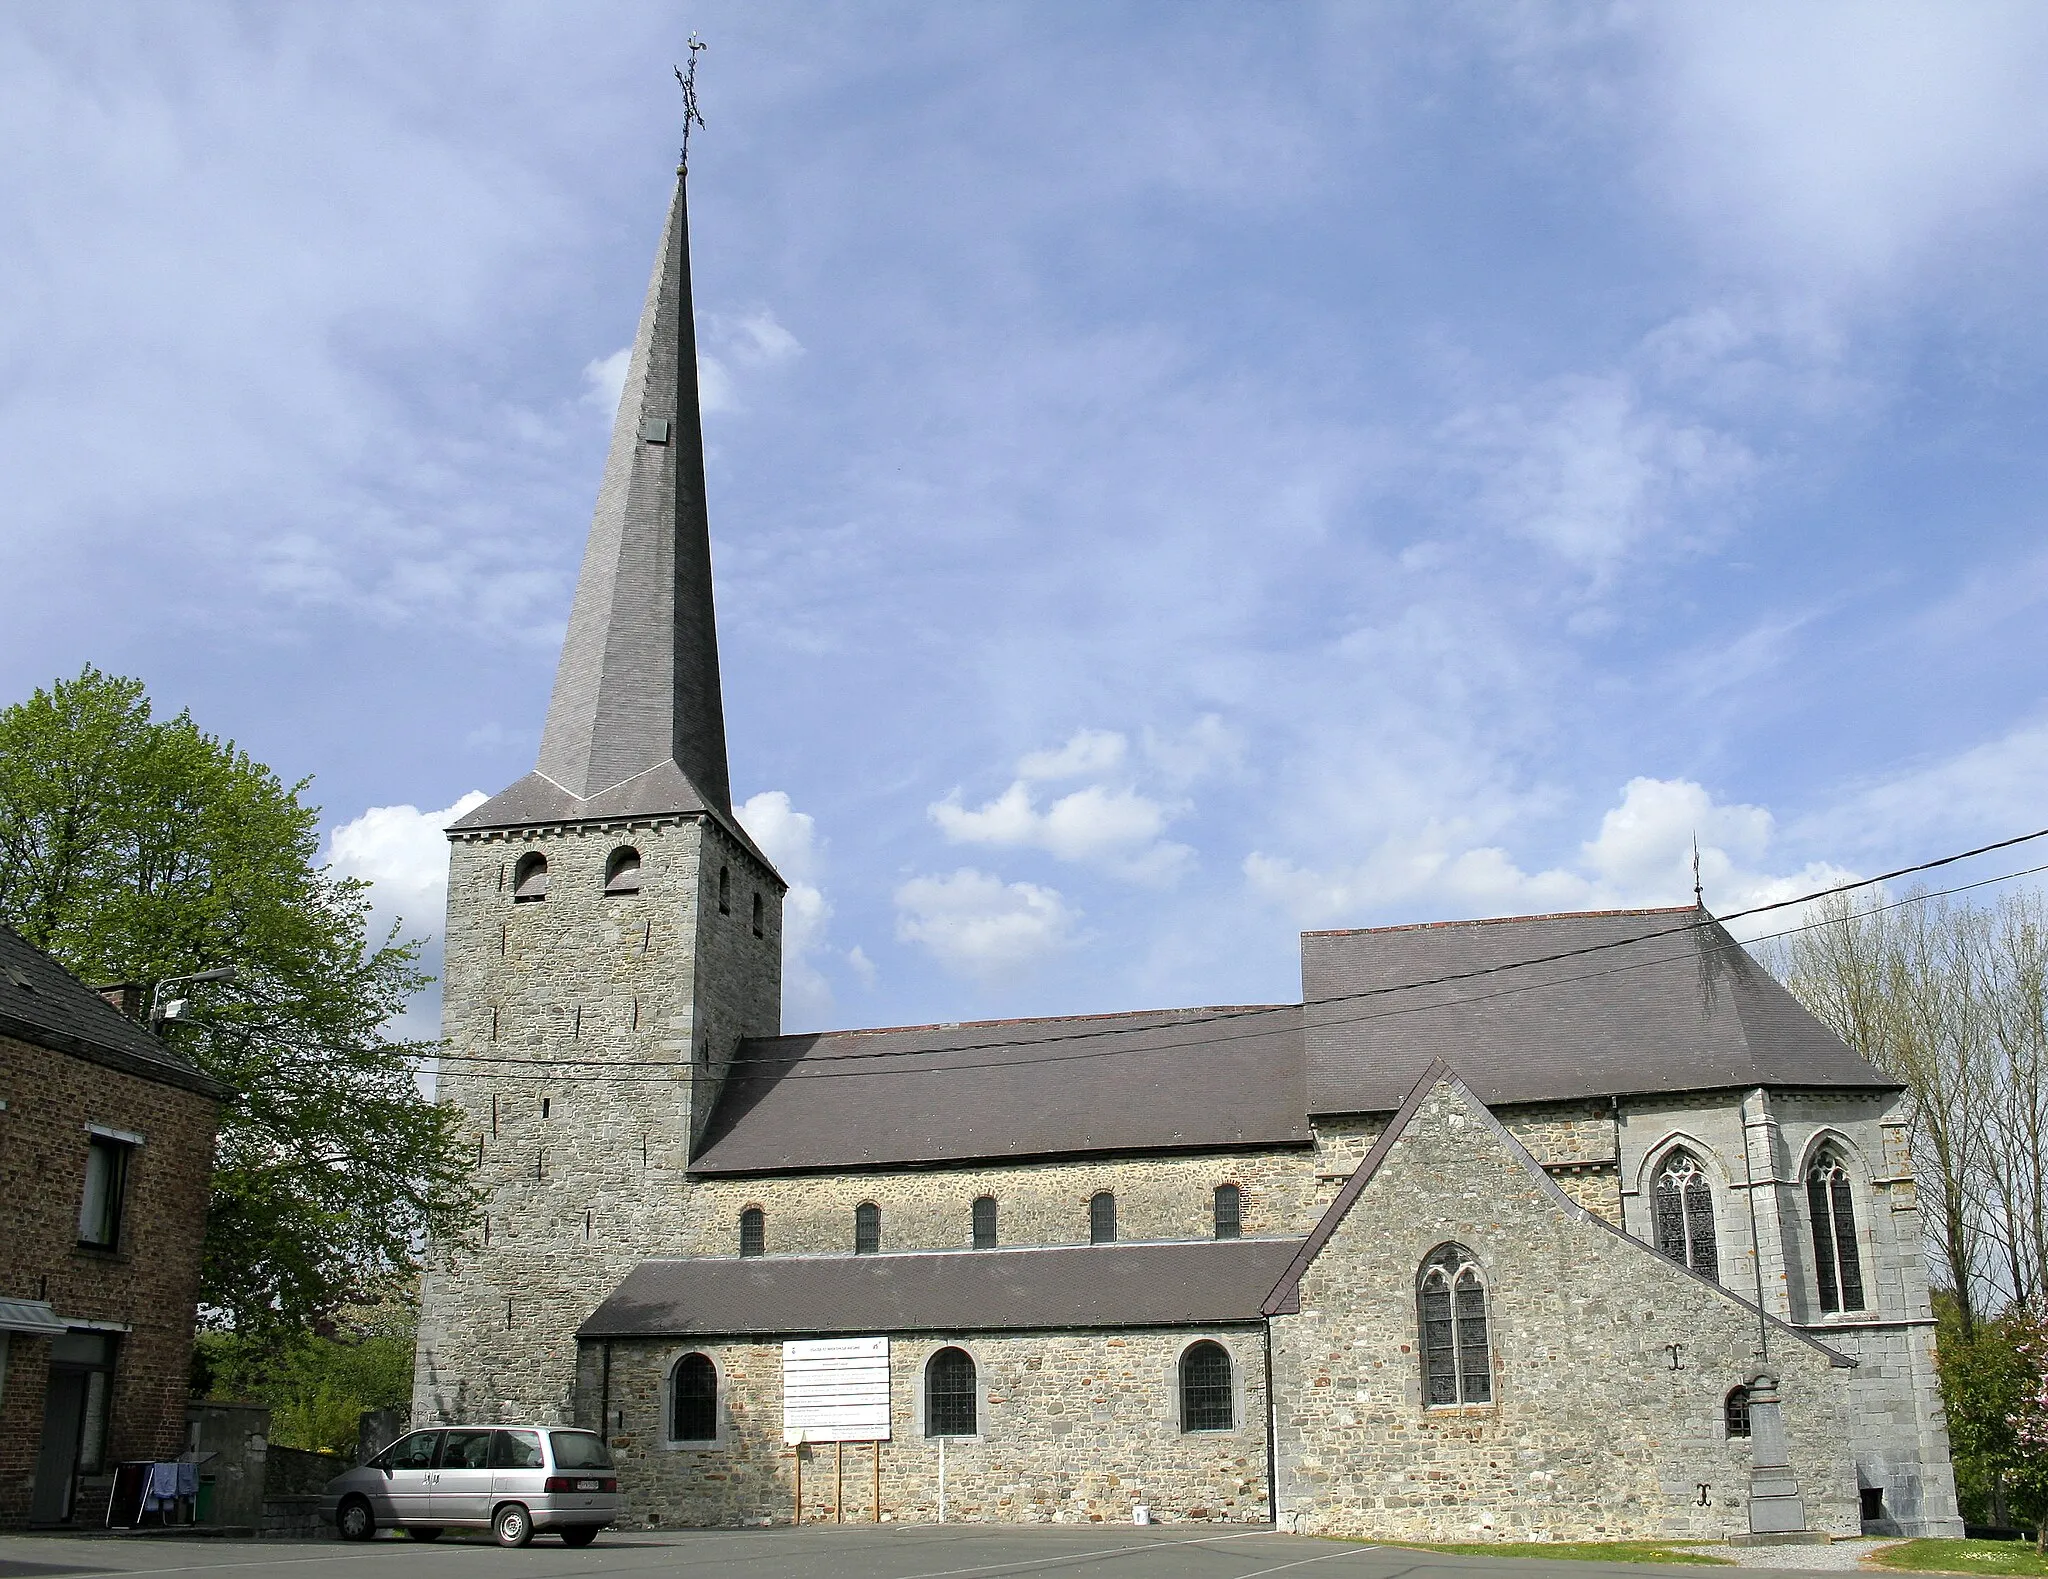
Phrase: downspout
(604, 1397)
(1272, 1436)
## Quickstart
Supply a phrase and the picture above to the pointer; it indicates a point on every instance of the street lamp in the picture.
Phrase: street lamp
(178, 1009)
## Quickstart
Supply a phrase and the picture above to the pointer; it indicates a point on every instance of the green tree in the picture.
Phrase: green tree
(318, 1384)
(134, 849)
(1988, 1382)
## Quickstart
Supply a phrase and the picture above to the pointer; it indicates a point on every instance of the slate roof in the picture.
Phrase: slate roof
(42, 1003)
(1194, 1079)
(1206, 1282)
(1639, 1012)
(662, 791)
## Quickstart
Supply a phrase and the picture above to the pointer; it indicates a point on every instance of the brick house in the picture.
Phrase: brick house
(106, 1150)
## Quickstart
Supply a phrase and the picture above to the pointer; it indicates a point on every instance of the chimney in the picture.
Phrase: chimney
(125, 997)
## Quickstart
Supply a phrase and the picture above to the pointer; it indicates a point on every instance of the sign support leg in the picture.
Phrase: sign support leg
(838, 1482)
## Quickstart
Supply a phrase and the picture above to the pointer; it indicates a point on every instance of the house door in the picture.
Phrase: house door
(57, 1462)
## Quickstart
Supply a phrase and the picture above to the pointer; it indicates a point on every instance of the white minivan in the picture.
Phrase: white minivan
(511, 1480)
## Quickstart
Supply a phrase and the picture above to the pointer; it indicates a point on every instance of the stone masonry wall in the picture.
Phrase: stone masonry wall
(148, 1285)
(1074, 1428)
(1591, 1432)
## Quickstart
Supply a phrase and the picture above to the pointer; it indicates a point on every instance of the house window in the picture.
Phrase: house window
(695, 1415)
(1205, 1403)
(1229, 1211)
(758, 913)
(985, 1223)
(753, 1232)
(622, 871)
(106, 1183)
(1683, 1206)
(867, 1229)
(1735, 1411)
(1102, 1219)
(1456, 1368)
(724, 891)
(530, 878)
(1829, 1203)
(949, 1394)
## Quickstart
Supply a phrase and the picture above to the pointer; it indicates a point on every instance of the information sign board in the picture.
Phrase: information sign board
(835, 1390)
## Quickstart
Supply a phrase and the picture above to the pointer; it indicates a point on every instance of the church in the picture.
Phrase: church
(1552, 1227)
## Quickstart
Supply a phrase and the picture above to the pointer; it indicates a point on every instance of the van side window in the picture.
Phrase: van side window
(517, 1450)
(417, 1451)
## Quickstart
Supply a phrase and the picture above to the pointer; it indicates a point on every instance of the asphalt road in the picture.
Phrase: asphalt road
(891, 1552)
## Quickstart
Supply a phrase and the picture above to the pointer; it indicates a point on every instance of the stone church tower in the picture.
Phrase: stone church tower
(612, 931)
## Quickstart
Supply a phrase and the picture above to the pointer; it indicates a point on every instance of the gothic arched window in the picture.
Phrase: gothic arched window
(1229, 1211)
(753, 1232)
(622, 871)
(949, 1394)
(530, 877)
(867, 1229)
(1735, 1411)
(694, 1417)
(1456, 1365)
(985, 1222)
(1102, 1218)
(1831, 1205)
(1682, 1203)
(1205, 1403)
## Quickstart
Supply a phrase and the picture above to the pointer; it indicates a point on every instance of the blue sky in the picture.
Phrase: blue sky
(1180, 473)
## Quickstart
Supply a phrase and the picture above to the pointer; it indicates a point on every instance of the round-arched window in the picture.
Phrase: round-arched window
(1735, 1411)
(949, 1394)
(753, 1232)
(530, 877)
(695, 1416)
(867, 1229)
(622, 871)
(1205, 1403)
(1102, 1218)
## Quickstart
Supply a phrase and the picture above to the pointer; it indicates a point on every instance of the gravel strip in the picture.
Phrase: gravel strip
(1836, 1556)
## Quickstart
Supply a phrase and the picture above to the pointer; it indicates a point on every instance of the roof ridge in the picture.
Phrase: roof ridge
(1498, 921)
(1027, 1019)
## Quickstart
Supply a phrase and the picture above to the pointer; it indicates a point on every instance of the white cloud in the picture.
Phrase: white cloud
(1641, 856)
(979, 926)
(402, 852)
(757, 339)
(605, 379)
(789, 838)
(1111, 827)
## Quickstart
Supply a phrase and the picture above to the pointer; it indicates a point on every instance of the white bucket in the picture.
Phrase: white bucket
(1140, 1514)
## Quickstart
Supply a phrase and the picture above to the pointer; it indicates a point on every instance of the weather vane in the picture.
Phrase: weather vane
(1699, 898)
(688, 79)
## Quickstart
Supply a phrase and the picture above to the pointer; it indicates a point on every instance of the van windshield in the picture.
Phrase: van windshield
(579, 1450)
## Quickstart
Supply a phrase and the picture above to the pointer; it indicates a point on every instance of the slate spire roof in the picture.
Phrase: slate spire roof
(636, 725)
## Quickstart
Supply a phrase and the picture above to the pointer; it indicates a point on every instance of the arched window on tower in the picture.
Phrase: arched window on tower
(724, 891)
(1830, 1203)
(530, 878)
(1205, 1402)
(622, 871)
(867, 1229)
(949, 1389)
(1102, 1218)
(1682, 1204)
(753, 1232)
(1456, 1363)
(985, 1222)
(694, 1417)
(1735, 1411)
(1229, 1211)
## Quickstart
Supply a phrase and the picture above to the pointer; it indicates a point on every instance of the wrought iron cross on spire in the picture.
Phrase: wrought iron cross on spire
(688, 80)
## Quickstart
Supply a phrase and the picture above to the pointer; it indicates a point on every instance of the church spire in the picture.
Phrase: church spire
(638, 688)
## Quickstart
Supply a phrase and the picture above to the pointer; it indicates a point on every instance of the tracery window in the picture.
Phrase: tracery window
(867, 1229)
(695, 1415)
(1735, 1411)
(1229, 1211)
(949, 1394)
(1682, 1204)
(1830, 1203)
(753, 1232)
(1102, 1219)
(1205, 1403)
(985, 1222)
(1456, 1363)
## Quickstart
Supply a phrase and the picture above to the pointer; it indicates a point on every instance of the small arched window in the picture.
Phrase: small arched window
(1102, 1219)
(753, 1232)
(1683, 1206)
(1229, 1211)
(949, 1394)
(622, 871)
(530, 877)
(1735, 1411)
(867, 1229)
(1456, 1366)
(724, 891)
(694, 1417)
(1205, 1402)
(759, 912)
(985, 1222)
(1831, 1205)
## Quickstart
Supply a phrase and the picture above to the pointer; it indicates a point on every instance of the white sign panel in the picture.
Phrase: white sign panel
(835, 1390)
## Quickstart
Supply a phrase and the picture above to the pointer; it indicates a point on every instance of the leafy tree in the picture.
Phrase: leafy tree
(318, 1384)
(134, 849)
(1988, 1383)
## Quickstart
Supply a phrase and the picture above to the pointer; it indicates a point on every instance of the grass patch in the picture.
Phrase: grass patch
(1970, 1557)
(1619, 1551)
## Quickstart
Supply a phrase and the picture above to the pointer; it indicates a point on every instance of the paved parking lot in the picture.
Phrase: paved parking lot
(891, 1552)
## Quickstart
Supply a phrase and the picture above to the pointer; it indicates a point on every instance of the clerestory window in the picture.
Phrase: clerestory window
(867, 1229)
(753, 1232)
(1682, 1203)
(1229, 1211)
(1831, 1204)
(985, 1222)
(1456, 1359)
(1102, 1219)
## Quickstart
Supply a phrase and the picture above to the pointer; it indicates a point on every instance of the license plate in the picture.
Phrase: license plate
(588, 1485)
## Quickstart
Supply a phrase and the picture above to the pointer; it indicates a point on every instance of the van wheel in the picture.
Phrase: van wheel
(513, 1526)
(424, 1532)
(353, 1521)
(579, 1534)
